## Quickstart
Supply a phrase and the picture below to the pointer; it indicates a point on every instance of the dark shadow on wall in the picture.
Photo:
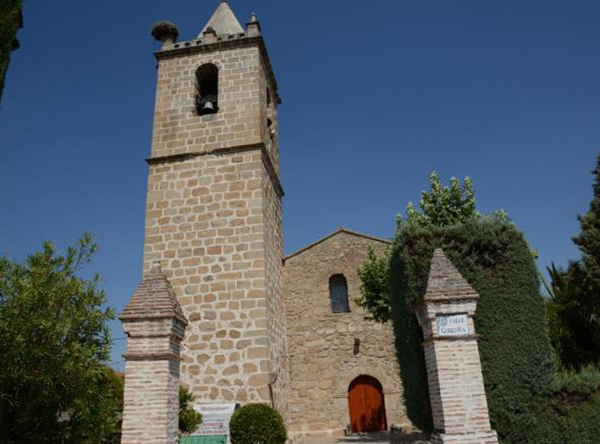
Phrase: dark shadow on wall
(409, 351)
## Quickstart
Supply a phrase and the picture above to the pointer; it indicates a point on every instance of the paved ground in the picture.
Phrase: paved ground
(370, 438)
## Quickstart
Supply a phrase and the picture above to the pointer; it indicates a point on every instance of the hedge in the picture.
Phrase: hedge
(518, 363)
(570, 415)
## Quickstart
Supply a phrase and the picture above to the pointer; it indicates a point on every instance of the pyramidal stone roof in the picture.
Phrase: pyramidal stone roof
(223, 21)
(154, 298)
(445, 281)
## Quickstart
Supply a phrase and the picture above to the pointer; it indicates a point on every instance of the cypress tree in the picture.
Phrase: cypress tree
(581, 314)
(588, 240)
(11, 20)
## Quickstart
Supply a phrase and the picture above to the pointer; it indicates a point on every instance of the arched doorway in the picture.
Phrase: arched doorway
(366, 405)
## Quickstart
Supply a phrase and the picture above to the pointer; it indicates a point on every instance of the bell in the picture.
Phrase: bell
(208, 106)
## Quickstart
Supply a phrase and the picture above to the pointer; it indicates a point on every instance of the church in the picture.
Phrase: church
(261, 327)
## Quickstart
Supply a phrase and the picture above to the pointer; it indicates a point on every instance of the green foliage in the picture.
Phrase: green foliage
(571, 315)
(490, 252)
(257, 424)
(574, 305)
(53, 342)
(517, 359)
(189, 419)
(374, 285)
(570, 415)
(441, 206)
(444, 205)
(584, 382)
(10, 22)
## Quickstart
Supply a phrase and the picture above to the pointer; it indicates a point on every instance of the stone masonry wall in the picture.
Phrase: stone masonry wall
(240, 120)
(275, 302)
(321, 343)
(206, 225)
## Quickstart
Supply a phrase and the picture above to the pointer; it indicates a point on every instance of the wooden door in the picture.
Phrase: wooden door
(365, 402)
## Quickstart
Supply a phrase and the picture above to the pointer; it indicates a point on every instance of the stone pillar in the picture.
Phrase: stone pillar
(155, 325)
(456, 389)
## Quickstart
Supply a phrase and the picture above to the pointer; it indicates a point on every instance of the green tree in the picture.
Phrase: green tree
(573, 308)
(11, 20)
(444, 205)
(441, 206)
(374, 287)
(571, 320)
(54, 341)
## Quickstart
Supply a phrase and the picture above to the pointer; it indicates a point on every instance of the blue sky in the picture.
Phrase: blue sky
(375, 96)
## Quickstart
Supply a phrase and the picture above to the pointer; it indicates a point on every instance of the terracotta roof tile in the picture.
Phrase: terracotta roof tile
(445, 281)
(154, 298)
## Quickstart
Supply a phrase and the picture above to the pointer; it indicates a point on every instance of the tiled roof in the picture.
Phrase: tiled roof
(154, 298)
(445, 281)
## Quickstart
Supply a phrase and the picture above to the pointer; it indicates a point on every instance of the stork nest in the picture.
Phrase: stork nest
(164, 30)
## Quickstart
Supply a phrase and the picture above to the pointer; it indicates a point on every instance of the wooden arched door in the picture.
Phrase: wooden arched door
(366, 405)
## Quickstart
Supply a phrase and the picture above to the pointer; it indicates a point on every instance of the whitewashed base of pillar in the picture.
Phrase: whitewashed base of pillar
(469, 438)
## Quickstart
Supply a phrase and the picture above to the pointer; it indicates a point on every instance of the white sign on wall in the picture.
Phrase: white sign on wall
(452, 325)
(215, 418)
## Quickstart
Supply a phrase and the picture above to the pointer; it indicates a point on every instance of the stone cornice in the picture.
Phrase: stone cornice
(431, 340)
(266, 158)
(152, 357)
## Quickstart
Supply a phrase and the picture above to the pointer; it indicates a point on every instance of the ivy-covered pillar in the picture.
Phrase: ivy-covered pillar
(456, 389)
(155, 326)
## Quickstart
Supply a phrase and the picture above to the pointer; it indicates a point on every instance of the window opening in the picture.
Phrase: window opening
(338, 289)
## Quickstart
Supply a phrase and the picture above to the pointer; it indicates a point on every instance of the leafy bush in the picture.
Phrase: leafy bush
(373, 275)
(54, 337)
(257, 424)
(570, 415)
(189, 419)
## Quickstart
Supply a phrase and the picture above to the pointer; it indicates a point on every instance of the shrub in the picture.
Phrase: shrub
(189, 419)
(570, 415)
(257, 424)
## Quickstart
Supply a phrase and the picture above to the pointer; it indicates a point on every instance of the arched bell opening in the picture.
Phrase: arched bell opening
(366, 405)
(207, 89)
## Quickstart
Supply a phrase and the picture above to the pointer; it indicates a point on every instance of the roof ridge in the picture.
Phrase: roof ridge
(339, 230)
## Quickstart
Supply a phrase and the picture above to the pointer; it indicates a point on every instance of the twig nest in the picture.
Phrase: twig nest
(163, 31)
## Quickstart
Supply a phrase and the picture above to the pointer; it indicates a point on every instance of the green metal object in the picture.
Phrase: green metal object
(211, 439)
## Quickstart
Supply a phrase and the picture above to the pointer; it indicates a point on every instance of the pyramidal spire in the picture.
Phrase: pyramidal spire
(445, 281)
(223, 21)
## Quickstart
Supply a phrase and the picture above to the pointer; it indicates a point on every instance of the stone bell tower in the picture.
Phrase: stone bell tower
(213, 214)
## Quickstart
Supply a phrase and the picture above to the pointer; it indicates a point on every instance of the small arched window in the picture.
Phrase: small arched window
(207, 89)
(338, 289)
